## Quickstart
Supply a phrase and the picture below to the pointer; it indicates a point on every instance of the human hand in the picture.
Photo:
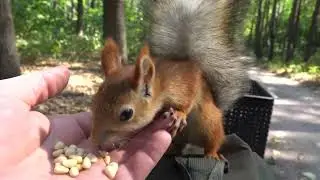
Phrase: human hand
(27, 137)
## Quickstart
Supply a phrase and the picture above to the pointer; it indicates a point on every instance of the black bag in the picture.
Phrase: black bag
(241, 163)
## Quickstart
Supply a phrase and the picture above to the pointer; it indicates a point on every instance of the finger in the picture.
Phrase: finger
(144, 151)
(65, 128)
(36, 87)
(143, 138)
(29, 131)
(84, 120)
(145, 158)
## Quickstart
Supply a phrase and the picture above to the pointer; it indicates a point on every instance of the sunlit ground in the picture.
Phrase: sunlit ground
(294, 137)
(83, 83)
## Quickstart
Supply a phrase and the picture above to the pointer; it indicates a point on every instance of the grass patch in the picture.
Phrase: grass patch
(297, 69)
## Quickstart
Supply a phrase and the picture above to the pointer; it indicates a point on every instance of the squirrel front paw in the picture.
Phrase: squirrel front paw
(179, 121)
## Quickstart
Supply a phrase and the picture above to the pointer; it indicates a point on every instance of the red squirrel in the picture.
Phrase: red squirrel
(190, 63)
(132, 95)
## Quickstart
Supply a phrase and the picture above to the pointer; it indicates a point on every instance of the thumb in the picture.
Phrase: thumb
(34, 88)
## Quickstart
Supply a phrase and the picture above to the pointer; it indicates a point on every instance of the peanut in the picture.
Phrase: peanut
(60, 158)
(86, 164)
(111, 170)
(79, 166)
(73, 146)
(80, 152)
(59, 145)
(80, 149)
(74, 172)
(65, 148)
(59, 169)
(92, 158)
(69, 163)
(71, 160)
(69, 152)
(57, 164)
(57, 153)
(76, 157)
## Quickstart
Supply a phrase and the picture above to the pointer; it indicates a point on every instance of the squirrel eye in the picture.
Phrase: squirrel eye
(126, 114)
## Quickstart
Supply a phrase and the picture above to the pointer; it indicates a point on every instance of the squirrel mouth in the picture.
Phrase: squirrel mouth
(117, 140)
(110, 146)
(114, 140)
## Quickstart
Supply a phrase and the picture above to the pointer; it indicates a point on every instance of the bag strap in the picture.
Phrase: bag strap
(188, 167)
(244, 164)
(201, 168)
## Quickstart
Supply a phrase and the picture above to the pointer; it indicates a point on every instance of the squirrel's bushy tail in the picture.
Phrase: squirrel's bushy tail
(205, 31)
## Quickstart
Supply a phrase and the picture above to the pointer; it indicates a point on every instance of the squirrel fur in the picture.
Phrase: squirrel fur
(183, 68)
(207, 32)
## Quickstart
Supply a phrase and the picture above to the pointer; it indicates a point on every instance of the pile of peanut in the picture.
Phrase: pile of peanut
(72, 159)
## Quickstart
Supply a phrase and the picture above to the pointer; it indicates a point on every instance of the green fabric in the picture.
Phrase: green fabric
(242, 164)
(202, 168)
(188, 167)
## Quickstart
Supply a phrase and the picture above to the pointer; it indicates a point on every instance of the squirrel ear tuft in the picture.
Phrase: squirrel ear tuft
(110, 57)
(145, 69)
(144, 50)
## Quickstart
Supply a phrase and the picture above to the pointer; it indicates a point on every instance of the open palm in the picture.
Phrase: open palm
(27, 137)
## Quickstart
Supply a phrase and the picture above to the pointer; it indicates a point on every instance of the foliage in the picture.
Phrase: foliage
(282, 18)
(281, 31)
(297, 65)
(47, 28)
(44, 29)
(134, 26)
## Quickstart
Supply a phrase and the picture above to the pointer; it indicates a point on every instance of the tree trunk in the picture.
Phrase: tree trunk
(72, 10)
(292, 30)
(282, 39)
(265, 21)
(296, 27)
(272, 30)
(9, 61)
(114, 24)
(93, 4)
(311, 39)
(122, 31)
(79, 28)
(258, 49)
(110, 19)
(54, 4)
(249, 43)
(251, 34)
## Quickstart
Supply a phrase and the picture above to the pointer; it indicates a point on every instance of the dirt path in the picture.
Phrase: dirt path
(294, 137)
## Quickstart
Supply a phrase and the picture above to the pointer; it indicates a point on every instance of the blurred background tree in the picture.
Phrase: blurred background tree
(9, 61)
(75, 29)
(280, 33)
